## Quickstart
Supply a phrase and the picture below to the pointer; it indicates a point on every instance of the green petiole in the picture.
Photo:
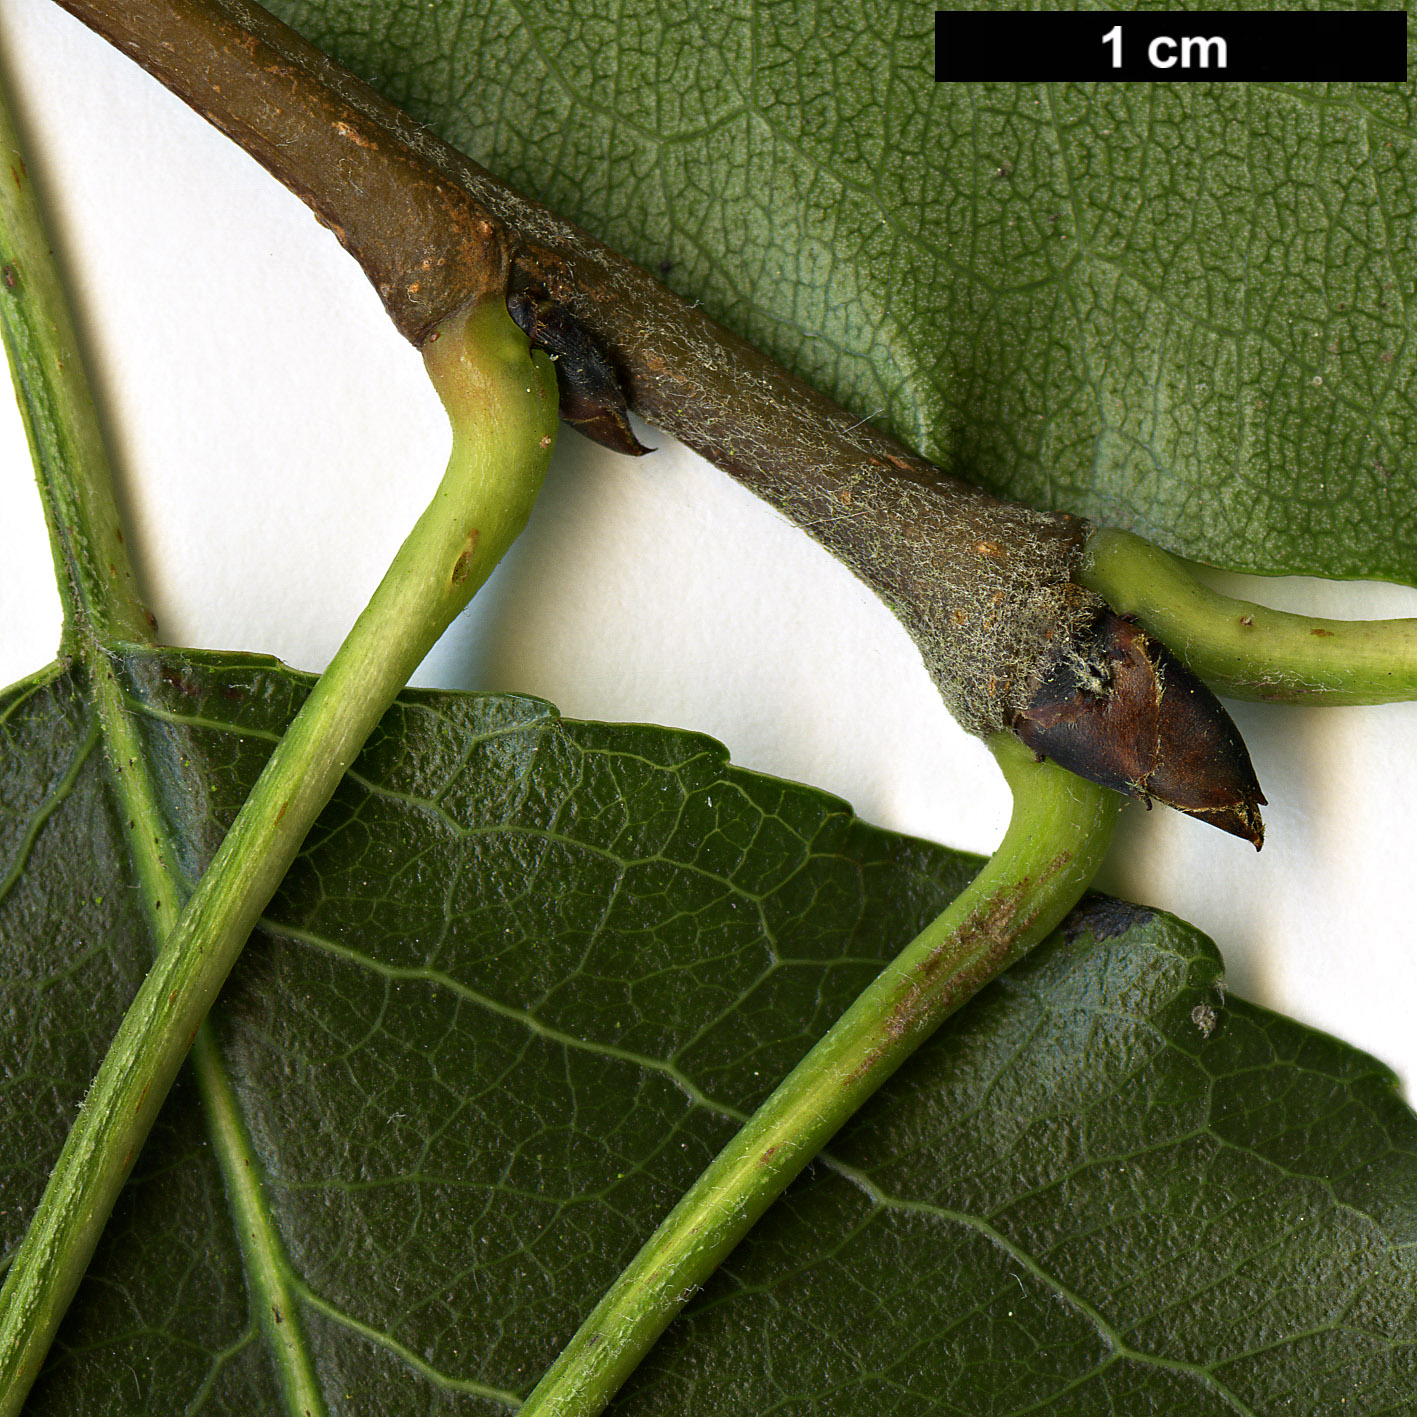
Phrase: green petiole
(1245, 650)
(502, 405)
(1055, 842)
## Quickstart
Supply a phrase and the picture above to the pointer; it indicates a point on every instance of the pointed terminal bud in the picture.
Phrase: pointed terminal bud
(592, 401)
(1122, 711)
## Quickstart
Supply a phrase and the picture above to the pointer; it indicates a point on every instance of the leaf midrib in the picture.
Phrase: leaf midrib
(150, 845)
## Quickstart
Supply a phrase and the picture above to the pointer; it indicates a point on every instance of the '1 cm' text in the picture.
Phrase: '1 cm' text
(1192, 52)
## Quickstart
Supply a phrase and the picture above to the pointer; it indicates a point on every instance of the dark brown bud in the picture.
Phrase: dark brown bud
(592, 400)
(1124, 712)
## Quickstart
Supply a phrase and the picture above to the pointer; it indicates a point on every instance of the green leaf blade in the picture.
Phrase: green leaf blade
(521, 985)
(1183, 310)
(1076, 1201)
(72, 943)
(164, 1322)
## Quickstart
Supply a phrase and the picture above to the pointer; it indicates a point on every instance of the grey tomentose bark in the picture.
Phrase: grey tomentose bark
(984, 587)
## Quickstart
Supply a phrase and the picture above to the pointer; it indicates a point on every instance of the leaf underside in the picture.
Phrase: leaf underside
(521, 984)
(1182, 309)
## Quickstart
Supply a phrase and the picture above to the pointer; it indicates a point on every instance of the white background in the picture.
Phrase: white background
(275, 438)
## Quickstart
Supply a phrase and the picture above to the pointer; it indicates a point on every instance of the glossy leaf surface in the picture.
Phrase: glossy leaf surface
(521, 984)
